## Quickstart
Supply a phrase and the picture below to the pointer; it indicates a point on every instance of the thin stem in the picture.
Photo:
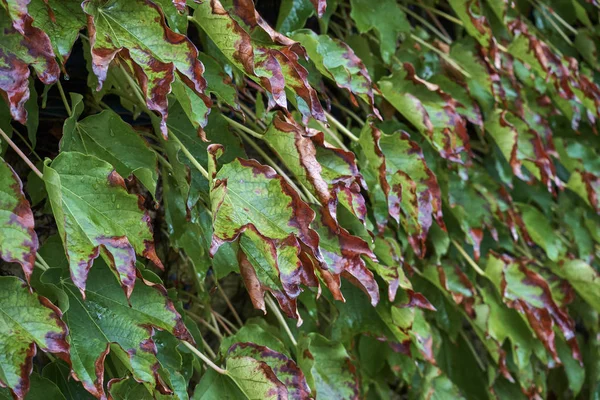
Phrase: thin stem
(204, 358)
(248, 111)
(350, 113)
(21, 154)
(215, 324)
(40, 266)
(426, 24)
(468, 258)
(210, 351)
(223, 324)
(229, 305)
(228, 322)
(438, 12)
(30, 147)
(189, 155)
(333, 136)
(64, 98)
(441, 54)
(205, 323)
(242, 127)
(341, 127)
(472, 348)
(271, 304)
(42, 261)
(136, 89)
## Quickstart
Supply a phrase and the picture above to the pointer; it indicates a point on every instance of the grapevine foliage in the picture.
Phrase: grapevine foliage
(299, 199)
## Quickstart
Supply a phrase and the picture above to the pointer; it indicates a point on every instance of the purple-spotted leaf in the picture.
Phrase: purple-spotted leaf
(248, 363)
(328, 368)
(137, 32)
(432, 111)
(401, 184)
(16, 13)
(107, 317)
(337, 61)
(18, 52)
(95, 215)
(18, 240)
(27, 322)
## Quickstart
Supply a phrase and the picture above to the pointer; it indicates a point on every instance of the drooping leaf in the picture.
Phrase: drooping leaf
(433, 112)
(129, 29)
(61, 20)
(18, 240)
(95, 214)
(401, 184)
(329, 371)
(254, 367)
(18, 53)
(28, 322)
(386, 18)
(107, 317)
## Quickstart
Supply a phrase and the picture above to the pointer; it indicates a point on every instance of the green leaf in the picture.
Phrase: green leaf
(293, 15)
(584, 279)
(18, 240)
(92, 210)
(107, 317)
(217, 386)
(386, 18)
(541, 232)
(475, 23)
(433, 112)
(58, 372)
(39, 387)
(30, 47)
(328, 368)
(153, 51)
(336, 60)
(61, 20)
(27, 322)
(109, 138)
(218, 82)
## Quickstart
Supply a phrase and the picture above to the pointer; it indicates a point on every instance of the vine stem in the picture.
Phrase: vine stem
(204, 358)
(441, 54)
(189, 155)
(21, 154)
(205, 323)
(242, 127)
(425, 23)
(273, 307)
(229, 305)
(42, 261)
(64, 98)
(30, 147)
(468, 258)
(341, 127)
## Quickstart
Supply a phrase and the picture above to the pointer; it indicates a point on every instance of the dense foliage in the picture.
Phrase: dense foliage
(299, 199)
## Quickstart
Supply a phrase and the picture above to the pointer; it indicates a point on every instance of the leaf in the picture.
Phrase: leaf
(386, 18)
(331, 174)
(61, 20)
(328, 368)
(401, 184)
(218, 82)
(109, 138)
(39, 387)
(28, 322)
(58, 372)
(18, 52)
(248, 363)
(128, 389)
(336, 60)
(217, 386)
(527, 292)
(582, 277)
(245, 194)
(540, 231)
(293, 15)
(475, 23)
(93, 211)
(130, 29)
(18, 240)
(432, 111)
(106, 317)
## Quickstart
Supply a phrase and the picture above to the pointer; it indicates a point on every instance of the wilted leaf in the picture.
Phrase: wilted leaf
(130, 29)
(27, 322)
(94, 212)
(18, 240)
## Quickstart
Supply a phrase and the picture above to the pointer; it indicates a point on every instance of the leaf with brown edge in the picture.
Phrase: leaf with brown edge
(401, 184)
(331, 174)
(522, 147)
(343, 256)
(18, 240)
(528, 292)
(320, 6)
(337, 61)
(285, 370)
(95, 215)
(18, 52)
(279, 270)
(432, 111)
(17, 13)
(471, 14)
(108, 317)
(136, 30)
(328, 368)
(27, 322)
(245, 193)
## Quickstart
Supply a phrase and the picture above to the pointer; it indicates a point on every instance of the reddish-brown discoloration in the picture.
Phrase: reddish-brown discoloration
(320, 6)
(416, 299)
